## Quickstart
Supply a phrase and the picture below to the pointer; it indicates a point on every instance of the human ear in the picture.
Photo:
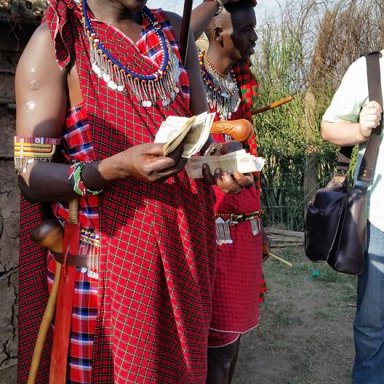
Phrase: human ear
(217, 34)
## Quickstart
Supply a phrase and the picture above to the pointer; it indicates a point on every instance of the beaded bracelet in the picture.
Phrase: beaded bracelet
(76, 180)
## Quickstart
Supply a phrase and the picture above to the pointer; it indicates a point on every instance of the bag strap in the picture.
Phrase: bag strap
(367, 166)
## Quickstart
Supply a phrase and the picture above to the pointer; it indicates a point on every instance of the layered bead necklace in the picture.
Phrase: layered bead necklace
(148, 89)
(222, 90)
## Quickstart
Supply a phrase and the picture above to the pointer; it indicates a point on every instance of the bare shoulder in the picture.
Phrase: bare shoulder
(40, 87)
(175, 21)
(41, 35)
(39, 54)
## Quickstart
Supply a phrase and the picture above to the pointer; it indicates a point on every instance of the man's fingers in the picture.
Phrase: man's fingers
(226, 182)
(207, 174)
(164, 173)
(370, 116)
(244, 179)
(374, 104)
(176, 154)
(157, 163)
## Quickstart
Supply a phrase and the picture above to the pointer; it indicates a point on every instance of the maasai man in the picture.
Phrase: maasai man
(93, 86)
(231, 89)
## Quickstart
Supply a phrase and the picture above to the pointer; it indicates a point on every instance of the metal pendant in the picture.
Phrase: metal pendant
(255, 226)
(223, 233)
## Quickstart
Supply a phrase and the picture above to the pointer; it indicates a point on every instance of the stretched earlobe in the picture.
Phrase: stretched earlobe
(217, 34)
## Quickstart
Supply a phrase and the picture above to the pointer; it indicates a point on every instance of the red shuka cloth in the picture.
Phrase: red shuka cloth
(239, 273)
(158, 243)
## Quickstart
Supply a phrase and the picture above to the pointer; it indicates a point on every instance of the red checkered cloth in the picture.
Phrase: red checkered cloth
(249, 92)
(83, 325)
(239, 275)
(157, 240)
(77, 146)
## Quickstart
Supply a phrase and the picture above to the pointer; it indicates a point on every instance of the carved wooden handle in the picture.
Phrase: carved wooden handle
(240, 130)
(49, 234)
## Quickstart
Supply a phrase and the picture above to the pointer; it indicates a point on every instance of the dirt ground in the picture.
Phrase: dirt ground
(305, 332)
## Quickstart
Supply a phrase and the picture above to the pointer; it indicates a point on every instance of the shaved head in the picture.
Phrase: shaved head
(223, 19)
(232, 33)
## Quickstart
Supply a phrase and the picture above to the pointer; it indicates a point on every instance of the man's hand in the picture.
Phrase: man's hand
(370, 117)
(228, 183)
(144, 161)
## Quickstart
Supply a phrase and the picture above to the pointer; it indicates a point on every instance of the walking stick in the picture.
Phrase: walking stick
(185, 30)
(273, 105)
(49, 235)
(44, 327)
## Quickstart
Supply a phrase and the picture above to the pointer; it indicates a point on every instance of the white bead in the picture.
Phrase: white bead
(111, 84)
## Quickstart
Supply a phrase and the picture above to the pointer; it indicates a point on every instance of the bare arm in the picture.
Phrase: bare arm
(41, 104)
(198, 96)
(203, 13)
(347, 133)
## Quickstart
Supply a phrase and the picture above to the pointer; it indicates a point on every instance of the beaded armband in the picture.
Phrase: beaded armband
(29, 149)
(76, 180)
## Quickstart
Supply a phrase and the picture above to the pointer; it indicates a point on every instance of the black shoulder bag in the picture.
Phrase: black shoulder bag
(336, 220)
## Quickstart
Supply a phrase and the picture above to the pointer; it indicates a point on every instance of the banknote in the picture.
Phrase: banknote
(193, 132)
(239, 161)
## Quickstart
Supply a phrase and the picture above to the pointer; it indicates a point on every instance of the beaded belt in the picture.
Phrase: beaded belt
(236, 218)
(225, 220)
(89, 251)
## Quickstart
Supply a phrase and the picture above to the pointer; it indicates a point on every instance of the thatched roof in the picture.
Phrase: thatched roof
(22, 11)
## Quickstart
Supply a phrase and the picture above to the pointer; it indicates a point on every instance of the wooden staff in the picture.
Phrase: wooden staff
(273, 105)
(281, 259)
(49, 235)
(44, 327)
(185, 29)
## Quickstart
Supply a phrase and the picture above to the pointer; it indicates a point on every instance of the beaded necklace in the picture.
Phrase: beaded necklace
(222, 90)
(148, 89)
